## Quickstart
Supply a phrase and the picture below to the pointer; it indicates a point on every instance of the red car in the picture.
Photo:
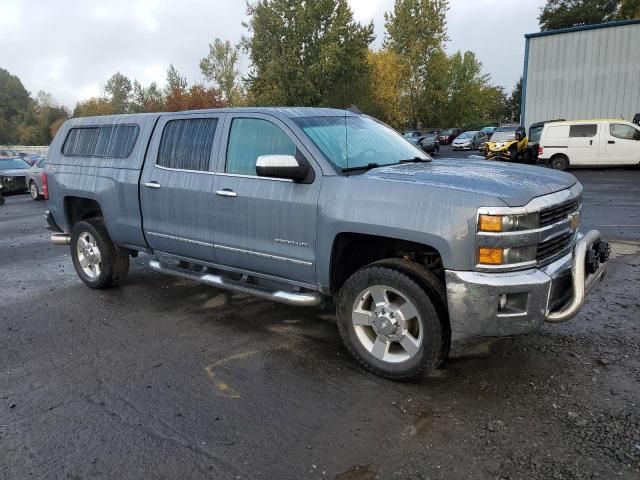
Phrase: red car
(449, 135)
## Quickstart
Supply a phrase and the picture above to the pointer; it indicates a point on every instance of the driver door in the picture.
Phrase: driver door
(265, 225)
(622, 147)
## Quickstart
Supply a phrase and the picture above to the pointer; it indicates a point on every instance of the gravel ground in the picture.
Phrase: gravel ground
(163, 378)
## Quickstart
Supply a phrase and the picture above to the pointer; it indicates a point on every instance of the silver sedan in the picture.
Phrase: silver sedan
(34, 180)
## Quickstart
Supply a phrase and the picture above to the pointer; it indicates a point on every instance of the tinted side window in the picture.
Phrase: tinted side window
(186, 144)
(108, 141)
(252, 137)
(620, 130)
(583, 130)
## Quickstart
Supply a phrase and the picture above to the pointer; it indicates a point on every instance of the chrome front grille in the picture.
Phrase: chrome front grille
(556, 213)
(550, 248)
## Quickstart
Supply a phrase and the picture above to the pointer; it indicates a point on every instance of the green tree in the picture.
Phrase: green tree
(14, 101)
(221, 67)
(38, 119)
(572, 13)
(496, 107)
(515, 102)
(306, 52)
(118, 88)
(468, 86)
(416, 31)
(629, 9)
(176, 90)
(146, 99)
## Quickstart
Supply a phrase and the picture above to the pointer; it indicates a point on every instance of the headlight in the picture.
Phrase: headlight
(508, 223)
(506, 256)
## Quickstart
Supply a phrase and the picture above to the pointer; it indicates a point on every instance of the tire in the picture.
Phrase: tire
(559, 162)
(410, 296)
(1, 200)
(98, 262)
(33, 191)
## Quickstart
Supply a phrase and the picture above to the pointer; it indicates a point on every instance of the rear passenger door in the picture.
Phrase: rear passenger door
(584, 144)
(264, 225)
(177, 185)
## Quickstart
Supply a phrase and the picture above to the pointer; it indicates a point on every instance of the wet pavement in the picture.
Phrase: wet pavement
(164, 378)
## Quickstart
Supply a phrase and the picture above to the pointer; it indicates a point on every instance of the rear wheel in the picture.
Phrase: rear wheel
(98, 262)
(33, 190)
(559, 162)
(390, 323)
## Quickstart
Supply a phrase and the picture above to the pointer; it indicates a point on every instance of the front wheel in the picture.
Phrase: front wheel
(33, 190)
(390, 324)
(98, 262)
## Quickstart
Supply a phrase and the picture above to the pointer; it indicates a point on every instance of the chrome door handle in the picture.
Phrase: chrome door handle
(152, 184)
(226, 193)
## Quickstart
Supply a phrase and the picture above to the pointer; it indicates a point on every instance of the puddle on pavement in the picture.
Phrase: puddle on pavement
(620, 249)
(358, 472)
(421, 426)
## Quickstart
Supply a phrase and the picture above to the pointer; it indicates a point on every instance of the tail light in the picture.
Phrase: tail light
(45, 186)
(540, 150)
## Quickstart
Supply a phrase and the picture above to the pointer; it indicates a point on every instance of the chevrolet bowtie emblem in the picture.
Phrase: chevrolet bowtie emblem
(574, 221)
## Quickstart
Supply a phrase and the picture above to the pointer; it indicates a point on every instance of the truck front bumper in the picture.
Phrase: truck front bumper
(513, 303)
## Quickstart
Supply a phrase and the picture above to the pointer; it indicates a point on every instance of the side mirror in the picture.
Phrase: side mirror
(281, 166)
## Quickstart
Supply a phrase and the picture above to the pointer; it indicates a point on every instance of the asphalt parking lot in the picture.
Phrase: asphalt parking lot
(164, 378)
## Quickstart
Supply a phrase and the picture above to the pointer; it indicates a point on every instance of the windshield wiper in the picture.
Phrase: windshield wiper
(368, 166)
(415, 160)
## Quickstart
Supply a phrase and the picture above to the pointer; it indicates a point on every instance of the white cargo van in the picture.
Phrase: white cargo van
(589, 143)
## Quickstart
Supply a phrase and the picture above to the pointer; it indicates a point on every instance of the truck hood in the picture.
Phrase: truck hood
(514, 184)
(19, 172)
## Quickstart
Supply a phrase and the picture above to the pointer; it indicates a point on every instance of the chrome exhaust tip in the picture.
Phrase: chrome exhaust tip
(61, 239)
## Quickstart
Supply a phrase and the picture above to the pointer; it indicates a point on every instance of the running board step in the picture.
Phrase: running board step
(304, 299)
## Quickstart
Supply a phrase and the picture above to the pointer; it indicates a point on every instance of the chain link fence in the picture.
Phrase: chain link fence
(31, 149)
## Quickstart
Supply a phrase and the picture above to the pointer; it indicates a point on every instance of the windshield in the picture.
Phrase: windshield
(13, 164)
(502, 136)
(351, 142)
(466, 135)
(446, 132)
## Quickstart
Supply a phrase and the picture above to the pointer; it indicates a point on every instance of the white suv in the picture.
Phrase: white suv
(589, 143)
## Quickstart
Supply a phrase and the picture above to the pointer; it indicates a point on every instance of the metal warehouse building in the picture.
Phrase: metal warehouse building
(582, 73)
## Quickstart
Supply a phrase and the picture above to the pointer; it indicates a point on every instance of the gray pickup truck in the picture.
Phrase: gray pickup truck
(301, 205)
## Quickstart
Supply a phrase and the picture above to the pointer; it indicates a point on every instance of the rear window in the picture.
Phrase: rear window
(106, 141)
(535, 133)
(186, 144)
(582, 131)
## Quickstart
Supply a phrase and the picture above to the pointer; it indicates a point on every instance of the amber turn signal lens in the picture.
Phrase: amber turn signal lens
(490, 223)
(490, 256)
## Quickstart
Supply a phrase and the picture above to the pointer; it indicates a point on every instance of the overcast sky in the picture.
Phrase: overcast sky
(69, 48)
